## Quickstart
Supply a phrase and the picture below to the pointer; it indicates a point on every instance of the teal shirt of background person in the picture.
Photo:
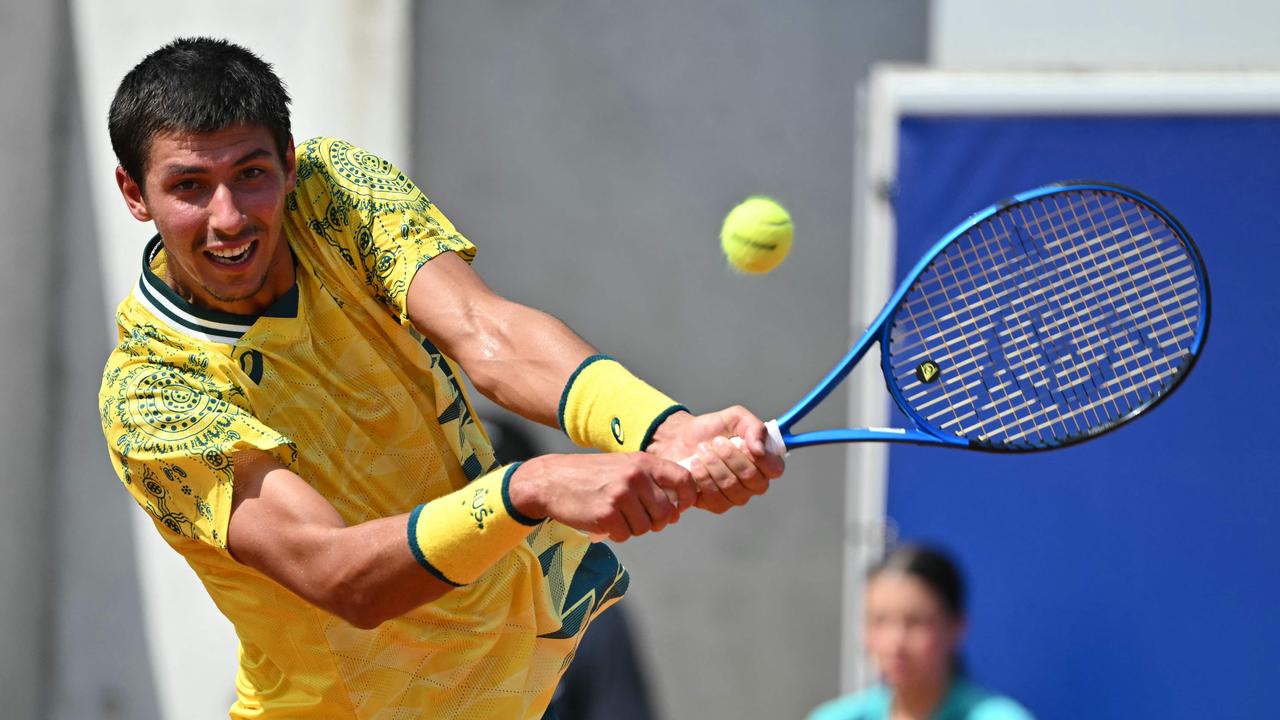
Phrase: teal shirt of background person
(964, 701)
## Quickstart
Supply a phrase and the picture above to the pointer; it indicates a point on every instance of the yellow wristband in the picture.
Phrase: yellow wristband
(461, 535)
(604, 406)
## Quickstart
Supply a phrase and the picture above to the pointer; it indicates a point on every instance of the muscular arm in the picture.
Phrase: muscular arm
(286, 530)
(521, 359)
(517, 356)
(366, 573)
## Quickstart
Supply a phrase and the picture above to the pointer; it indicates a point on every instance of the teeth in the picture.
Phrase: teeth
(230, 254)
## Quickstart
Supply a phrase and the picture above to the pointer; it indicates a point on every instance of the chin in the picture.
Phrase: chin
(895, 677)
(240, 292)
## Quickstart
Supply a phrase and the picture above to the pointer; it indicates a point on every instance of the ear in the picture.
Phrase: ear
(291, 166)
(132, 193)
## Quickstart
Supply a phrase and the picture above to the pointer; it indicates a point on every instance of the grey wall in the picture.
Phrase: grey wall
(29, 71)
(1104, 34)
(591, 151)
(70, 607)
(100, 667)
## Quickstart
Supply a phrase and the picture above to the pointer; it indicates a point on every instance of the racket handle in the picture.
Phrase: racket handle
(773, 445)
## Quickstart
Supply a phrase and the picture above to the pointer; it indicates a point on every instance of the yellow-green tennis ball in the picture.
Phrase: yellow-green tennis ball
(756, 235)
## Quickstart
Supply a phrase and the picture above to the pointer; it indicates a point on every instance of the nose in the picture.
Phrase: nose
(225, 217)
(895, 636)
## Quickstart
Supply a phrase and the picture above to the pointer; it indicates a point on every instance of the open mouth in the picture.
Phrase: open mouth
(230, 257)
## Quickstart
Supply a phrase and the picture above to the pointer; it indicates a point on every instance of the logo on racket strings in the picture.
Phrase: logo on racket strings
(927, 371)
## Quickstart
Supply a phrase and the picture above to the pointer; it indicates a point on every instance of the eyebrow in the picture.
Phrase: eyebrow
(196, 169)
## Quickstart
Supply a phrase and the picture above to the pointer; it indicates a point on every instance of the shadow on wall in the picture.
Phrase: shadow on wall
(99, 661)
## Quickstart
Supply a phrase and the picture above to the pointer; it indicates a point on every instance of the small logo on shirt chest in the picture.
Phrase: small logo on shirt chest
(251, 364)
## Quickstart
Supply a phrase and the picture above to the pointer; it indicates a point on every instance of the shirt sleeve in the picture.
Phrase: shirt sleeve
(373, 216)
(999, 708)
(172, 433)
(866, 705)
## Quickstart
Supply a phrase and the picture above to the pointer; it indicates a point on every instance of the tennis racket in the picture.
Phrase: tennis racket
(1042, 321)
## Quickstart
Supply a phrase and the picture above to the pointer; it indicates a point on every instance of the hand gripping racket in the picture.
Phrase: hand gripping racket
(1050, 318)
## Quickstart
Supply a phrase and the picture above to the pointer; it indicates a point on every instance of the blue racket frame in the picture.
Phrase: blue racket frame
(878, 333)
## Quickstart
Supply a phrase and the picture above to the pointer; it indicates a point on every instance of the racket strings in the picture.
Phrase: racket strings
(1049, 321)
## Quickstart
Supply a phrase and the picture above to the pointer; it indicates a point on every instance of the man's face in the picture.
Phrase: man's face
(217, 200)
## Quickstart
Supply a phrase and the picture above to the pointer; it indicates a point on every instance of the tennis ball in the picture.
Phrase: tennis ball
(756, 235)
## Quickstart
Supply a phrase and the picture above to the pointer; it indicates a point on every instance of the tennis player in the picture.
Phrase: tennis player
(284, 402)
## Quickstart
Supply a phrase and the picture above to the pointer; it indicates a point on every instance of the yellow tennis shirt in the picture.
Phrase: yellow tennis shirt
(334, 381)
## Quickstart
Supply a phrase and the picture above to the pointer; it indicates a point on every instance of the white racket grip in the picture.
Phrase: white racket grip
(773, 445)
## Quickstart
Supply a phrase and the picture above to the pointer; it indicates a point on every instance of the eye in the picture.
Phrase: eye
(185, 185)
(253, 173)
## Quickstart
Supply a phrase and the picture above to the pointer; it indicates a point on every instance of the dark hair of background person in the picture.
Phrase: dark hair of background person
(939, 572)
(931, 566)
(198, 85)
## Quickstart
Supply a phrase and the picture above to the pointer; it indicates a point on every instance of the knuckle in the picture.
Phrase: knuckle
(639, 483)
(717, 505)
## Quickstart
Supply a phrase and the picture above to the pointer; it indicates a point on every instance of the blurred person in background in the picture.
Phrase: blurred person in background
(914, 624)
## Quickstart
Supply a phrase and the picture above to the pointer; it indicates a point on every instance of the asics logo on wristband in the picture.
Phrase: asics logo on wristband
(616, 427)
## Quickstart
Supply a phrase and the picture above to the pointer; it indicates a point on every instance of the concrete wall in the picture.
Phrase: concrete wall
(30, 52)
(1103, 34)
(591, 150)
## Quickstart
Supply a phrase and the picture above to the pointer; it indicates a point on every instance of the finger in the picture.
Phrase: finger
(617, 530)
(710, 497)
(656, 505)
(742, 466)
(772, 466)
(752, 431)
(612, 526)
(677, 483)
(754, 436)
(633, 511)
(723, 476)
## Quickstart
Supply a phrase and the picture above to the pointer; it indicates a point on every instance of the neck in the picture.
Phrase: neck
(919, 701)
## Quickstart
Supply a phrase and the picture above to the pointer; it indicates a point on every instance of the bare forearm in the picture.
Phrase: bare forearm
(283, 528)
(515, 355)
(364, 574)
(370, 576)
(521, 358)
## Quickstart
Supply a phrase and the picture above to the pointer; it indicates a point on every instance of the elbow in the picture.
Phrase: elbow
(358, 611)
(350, 598)
(364, 606)
(351, 608)
(357, 605)
(363, 618)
